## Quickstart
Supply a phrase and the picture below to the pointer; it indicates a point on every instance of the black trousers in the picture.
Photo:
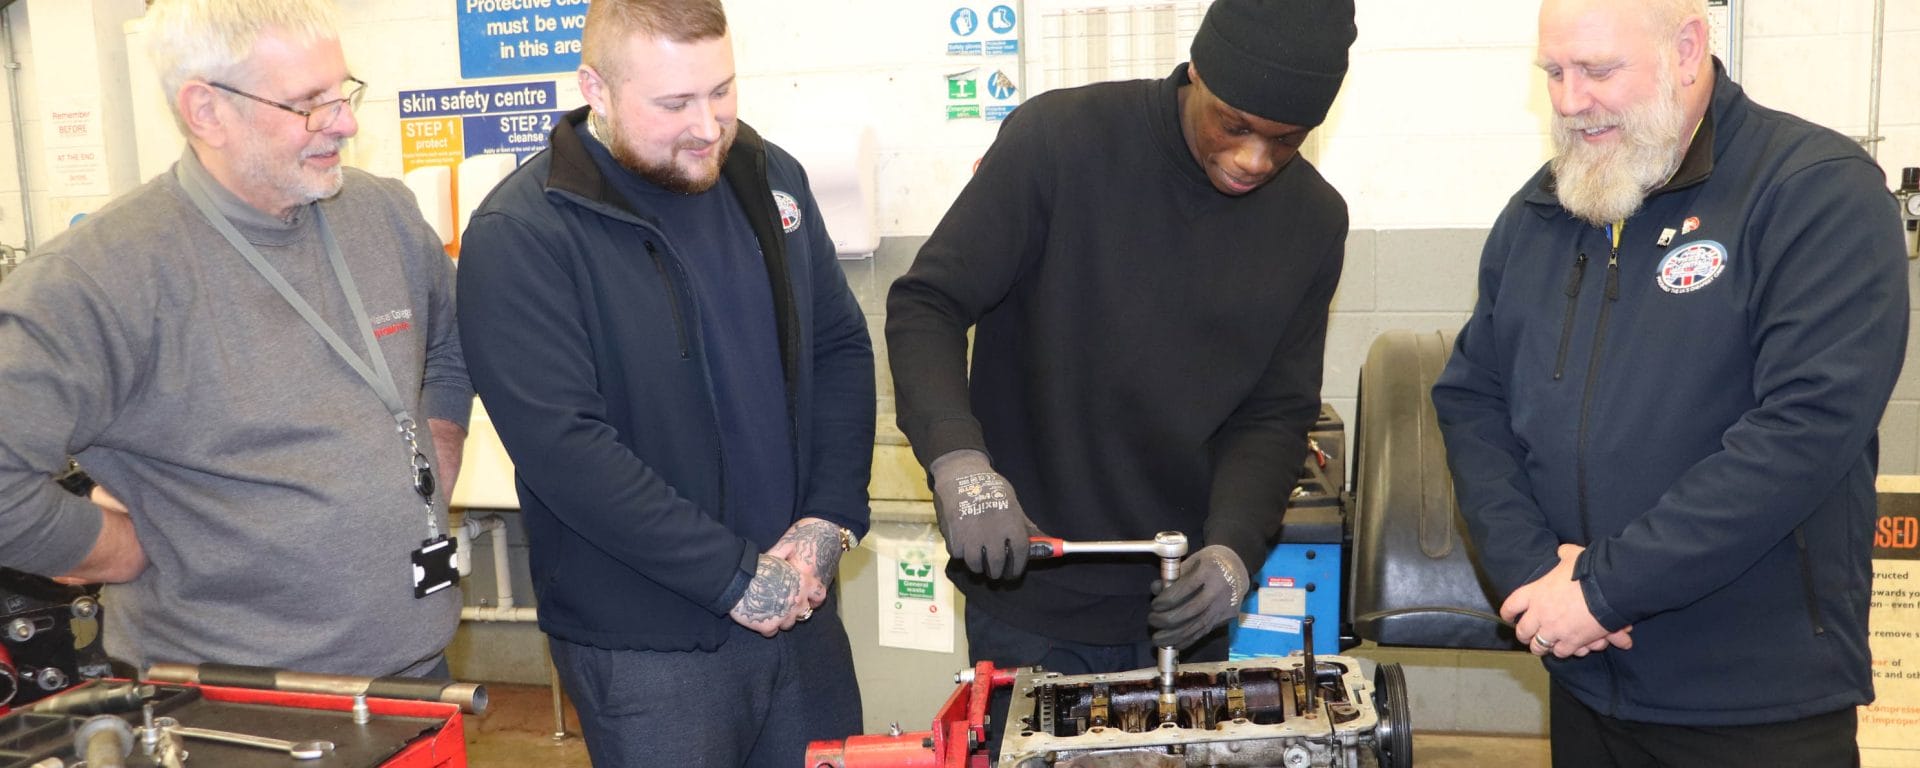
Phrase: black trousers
(1583, 738)
(752, 702)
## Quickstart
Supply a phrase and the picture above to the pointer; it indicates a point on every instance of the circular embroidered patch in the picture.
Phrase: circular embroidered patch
(1690, 267)
(789, 211)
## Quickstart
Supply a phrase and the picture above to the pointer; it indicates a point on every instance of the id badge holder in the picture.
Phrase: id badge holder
(433, 567)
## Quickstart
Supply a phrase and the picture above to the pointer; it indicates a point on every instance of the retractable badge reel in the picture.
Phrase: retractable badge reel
(433, 567)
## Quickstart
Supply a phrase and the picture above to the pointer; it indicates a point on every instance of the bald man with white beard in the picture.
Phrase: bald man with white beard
(1662, 415)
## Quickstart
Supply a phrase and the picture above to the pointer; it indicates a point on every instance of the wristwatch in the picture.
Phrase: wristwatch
(848, 541)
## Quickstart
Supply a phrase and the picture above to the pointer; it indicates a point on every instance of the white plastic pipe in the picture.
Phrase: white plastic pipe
(473, 528)
(502, 577)
(463, 546)
(485, 613)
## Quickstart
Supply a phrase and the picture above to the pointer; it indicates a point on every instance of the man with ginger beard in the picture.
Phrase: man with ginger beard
(669, 350)
(1661, 416)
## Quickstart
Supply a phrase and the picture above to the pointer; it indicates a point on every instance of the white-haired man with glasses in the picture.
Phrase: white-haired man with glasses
(255, 354)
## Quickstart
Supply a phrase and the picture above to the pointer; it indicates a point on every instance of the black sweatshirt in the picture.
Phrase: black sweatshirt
(1147, 350)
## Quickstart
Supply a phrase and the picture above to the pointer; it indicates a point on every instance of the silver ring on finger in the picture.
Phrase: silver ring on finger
(807, 615)
(1542, 643)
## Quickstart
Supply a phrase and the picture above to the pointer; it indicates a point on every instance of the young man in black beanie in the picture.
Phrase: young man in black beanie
(1147, 267)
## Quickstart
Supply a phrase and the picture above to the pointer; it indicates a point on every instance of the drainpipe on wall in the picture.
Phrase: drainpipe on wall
(19, 141)
(1873, 137)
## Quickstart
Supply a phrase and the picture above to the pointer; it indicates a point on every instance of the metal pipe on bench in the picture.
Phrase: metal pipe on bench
(470, 697)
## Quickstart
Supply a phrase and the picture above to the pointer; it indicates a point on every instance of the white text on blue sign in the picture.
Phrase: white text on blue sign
(519, 37)
(479, 100)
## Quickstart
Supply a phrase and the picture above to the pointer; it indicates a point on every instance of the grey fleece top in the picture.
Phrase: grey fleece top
(266, 481)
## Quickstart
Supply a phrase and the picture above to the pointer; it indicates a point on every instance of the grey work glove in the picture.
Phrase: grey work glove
(1212, 583)
(979, 515)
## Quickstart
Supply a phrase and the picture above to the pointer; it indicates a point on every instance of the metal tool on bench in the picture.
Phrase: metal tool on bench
(98, 700)
(162, 746)
(299, 750)
(1171, 546)
(470, 697)
(104, 741)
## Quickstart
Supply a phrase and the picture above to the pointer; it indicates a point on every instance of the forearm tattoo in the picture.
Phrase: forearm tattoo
(816, 544)
(770, 594)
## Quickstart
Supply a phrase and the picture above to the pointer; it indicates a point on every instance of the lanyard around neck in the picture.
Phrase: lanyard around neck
(374, 371)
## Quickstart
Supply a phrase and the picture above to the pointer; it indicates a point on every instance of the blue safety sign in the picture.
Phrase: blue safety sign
(1000, 19)
(519, 37)
(479, 99)
(523, 134)
(439, 126)
(1000, 86)
(964, 21)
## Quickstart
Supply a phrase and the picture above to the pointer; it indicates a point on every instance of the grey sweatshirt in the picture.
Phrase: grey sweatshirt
(266, 481)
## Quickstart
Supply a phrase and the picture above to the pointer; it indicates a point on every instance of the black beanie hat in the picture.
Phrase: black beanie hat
(1281, 60)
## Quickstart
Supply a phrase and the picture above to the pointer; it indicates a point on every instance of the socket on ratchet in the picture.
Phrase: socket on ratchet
(1170, 546)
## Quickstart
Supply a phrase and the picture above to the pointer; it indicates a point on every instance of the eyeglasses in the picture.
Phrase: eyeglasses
(319, 116)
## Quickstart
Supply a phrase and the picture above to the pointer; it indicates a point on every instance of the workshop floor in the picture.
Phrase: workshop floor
(517, 732)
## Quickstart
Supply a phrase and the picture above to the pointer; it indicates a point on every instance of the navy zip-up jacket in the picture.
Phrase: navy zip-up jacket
(1699, 410)
(588, 355)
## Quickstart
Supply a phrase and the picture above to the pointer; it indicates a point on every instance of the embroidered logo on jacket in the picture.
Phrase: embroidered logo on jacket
(1692, 266)
(789, 211)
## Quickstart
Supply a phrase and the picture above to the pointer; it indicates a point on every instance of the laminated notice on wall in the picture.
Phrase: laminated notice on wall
(915, 600)
(76, 146)
(1887, 727)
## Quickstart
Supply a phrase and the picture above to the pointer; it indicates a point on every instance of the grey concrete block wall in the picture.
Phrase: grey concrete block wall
(1357, 292)
(1900, 429)
(1899, 449)
(1427, 270)
(1420, 280)
(870, 278)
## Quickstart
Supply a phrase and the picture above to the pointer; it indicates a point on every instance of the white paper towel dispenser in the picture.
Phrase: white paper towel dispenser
(432, 187)
(840, 166)
(478, 176)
